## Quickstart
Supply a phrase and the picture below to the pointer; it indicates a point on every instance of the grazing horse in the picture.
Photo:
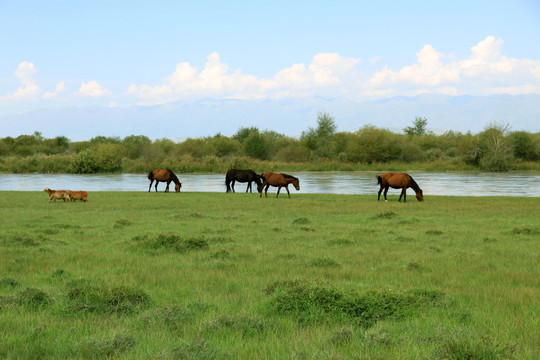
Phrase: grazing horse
(242, 176)
(398, 181)
(164, 175)
(278, 180)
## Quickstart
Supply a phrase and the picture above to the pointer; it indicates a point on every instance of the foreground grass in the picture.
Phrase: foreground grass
(214, 276)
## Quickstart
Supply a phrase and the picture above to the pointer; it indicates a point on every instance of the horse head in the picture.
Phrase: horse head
(296, 184)
(177, 187)
(420, 195)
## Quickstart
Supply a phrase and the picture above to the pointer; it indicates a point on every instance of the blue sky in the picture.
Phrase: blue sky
(121, 53)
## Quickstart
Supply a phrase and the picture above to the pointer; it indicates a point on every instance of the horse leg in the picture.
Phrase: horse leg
(385, 192)
(248, 187)
(156, 185)
(403, 194)
(380, 191)
(287, 188)
(278, 189)
(167, 187)
(266, 191)
(232, 185)
(150, 186)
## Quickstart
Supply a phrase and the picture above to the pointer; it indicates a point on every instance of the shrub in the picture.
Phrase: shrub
(84, 163)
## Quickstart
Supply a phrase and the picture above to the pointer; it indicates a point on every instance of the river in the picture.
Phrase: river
(355, 182)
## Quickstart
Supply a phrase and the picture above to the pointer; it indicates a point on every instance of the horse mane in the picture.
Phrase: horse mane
(258, 179)
(414, 185)
(288, 176)
(173, 176)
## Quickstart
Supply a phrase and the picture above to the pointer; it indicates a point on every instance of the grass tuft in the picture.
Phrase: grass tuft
(527, 230)
(120, 223)
(309, 302)
(33, 298)
(385, 215)
(103, 299)
(246, 326)
(172, 242)
(107, 348)
(324, 262)
(199, 350)
(172, 317)
(8, 283)
(340, 242)
(468, 348)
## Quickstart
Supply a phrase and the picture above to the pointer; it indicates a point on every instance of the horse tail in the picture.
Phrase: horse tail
(151, 175)
(379, 180)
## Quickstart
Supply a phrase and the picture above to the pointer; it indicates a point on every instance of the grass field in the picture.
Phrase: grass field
(138, 275)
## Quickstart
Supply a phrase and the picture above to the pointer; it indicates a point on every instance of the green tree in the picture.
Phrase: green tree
(318, 140)
(108, 156)
(372, 145)
(255, 146)
(496, 149)
(524, 147)
(221, 146)
(418, 128)
(135, 145)
(243, 133)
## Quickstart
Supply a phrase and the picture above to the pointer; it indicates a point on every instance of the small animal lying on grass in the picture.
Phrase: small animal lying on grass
(57, 194)
(78, 195)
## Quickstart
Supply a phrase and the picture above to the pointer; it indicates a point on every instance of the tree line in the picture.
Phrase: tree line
(496, 148)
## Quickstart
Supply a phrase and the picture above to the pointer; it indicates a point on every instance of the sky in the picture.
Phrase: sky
(64, 54)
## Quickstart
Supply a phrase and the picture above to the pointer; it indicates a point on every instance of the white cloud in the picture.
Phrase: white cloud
(28, 90)
(215, 80)
(93, 89)
(486, 71)
(60, 88)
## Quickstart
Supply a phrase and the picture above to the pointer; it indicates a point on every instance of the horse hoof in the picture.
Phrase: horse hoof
(385, 200)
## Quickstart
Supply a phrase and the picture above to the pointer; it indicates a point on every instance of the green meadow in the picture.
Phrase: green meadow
(137, 275)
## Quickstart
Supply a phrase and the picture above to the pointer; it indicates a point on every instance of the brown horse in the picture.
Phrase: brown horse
(398, 181)
(248, 176)
(278, 180)
(164, 175)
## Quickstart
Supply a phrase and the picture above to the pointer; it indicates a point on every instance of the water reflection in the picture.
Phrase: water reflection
(357, 182)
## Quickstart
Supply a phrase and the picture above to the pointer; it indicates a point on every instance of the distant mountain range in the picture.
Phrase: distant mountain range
(209, 117)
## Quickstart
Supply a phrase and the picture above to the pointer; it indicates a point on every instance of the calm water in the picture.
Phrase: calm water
(361, 182)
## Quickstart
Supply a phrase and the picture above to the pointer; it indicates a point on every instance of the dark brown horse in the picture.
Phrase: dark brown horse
(243, 176)
(398, 181)
(164, 175)
(278, 180)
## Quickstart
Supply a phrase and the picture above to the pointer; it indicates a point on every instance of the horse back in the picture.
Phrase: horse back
(396, 180)
(161, 175)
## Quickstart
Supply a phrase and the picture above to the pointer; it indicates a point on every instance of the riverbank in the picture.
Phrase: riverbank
(205, 275)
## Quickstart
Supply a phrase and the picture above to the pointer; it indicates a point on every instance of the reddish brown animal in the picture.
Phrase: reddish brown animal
(78, 195)
(57, 194)
(164, 175)
(398, 181)
(278, 180)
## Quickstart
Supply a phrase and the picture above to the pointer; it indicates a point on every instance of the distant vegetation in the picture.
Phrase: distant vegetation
(497, 148)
